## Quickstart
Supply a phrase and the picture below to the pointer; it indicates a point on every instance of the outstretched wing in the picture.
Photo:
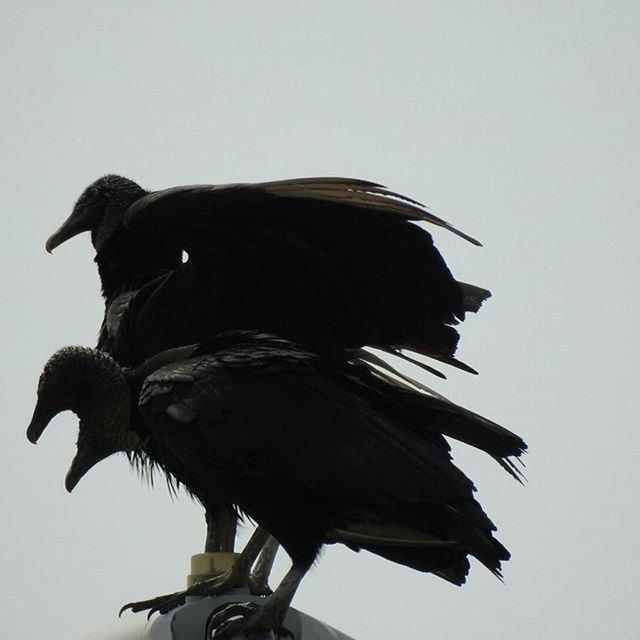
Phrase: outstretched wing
(160, 207)
(321, 260)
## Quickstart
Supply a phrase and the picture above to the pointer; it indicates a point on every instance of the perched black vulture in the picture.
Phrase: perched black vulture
(315, 452)
(332, 263)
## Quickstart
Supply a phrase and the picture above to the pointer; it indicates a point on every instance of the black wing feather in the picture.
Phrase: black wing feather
(330, 262)
(159, 207)
(282, 421)
(315, 454)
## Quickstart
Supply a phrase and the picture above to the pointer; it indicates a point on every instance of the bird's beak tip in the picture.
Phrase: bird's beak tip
(34, 431)
(51, 243)
(71, 481)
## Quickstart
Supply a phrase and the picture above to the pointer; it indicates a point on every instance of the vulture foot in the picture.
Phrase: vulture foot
(247, 619)
(161, 604)
(213, 587)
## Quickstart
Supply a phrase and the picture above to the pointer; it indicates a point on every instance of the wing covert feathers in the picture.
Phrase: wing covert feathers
(346, 191)
(358, 193)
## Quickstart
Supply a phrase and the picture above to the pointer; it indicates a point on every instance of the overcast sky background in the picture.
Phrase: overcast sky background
(516, 122)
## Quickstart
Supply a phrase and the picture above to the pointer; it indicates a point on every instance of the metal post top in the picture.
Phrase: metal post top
(188, 622)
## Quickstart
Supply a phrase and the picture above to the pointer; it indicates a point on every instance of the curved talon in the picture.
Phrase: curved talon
(135, 607)
(165, 607)
(253, 619)
(212, 587)
(224, 612)
(161, 604)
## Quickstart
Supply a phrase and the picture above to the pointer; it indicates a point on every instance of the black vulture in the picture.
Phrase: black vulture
(314, 451)
(331, 263)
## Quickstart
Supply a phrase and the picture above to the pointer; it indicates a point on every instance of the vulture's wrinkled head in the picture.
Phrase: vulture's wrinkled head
(98, 210)
(91, 384)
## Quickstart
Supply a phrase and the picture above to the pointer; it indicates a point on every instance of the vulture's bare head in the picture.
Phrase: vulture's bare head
(91, 384)
(98, 210)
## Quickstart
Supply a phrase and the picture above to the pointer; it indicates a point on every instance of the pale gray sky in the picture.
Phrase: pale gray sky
(517, 122)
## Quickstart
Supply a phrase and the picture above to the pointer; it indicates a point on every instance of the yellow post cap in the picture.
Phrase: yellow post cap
(209, 565)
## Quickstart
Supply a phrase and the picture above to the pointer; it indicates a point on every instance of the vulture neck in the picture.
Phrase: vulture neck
(130, 260)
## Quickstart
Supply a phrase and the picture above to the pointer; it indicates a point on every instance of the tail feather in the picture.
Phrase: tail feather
(367, 356)
(455, 574)
(451, 565)
(410, 548)
(476, 431)
(430, 537)
(431, 410)
(446, 359)
(450, 360)
(473, 297)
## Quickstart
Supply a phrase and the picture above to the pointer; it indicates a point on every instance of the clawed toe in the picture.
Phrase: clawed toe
(161, 604)
(164, 604)
(248, 619)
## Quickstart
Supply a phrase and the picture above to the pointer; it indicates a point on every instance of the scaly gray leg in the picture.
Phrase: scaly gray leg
(257, 619)
(259, 578)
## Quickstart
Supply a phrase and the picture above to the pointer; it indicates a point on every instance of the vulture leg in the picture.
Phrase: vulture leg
(259, 578)
(238, 576)
(221, 528)
(247, 618)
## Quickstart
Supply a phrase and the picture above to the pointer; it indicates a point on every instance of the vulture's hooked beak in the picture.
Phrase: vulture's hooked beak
(78, 222)
(42, 416)
(92, 385)
(85, 459)
(35, 430)
(90, 451)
